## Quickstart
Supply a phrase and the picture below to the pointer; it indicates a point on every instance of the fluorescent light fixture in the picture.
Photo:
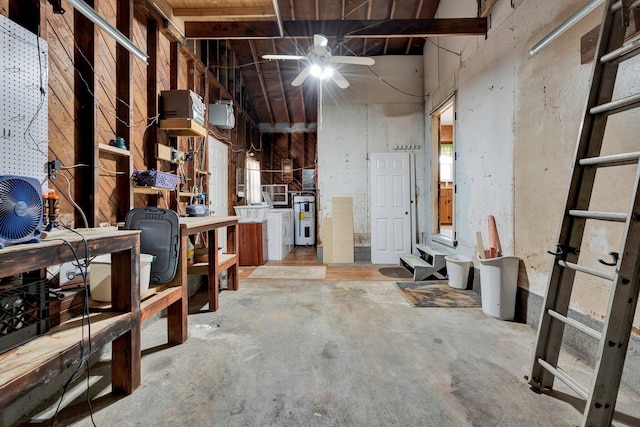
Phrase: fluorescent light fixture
(94, 17)
(276, 8)
(584, 11)
(164, 15)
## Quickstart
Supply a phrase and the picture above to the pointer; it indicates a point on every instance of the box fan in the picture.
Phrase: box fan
(20, 210)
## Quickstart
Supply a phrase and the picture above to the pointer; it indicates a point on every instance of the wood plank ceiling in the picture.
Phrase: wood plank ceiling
(353, 27)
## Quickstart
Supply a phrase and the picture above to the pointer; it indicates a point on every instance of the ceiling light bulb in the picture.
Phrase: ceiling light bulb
(327, 72)
(315, 70)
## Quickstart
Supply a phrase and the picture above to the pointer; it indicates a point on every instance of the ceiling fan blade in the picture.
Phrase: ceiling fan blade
(300, 78)
(294, 57)
(340, 80)
(357, 60)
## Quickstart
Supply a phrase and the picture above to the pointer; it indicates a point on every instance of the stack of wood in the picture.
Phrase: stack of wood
(495, 249)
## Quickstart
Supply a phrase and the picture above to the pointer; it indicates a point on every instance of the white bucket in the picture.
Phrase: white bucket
(498, 286)
(100, 276)
(458, 270)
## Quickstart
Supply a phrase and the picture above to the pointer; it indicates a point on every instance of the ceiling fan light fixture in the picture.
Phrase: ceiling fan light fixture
(321, 71)
(316, 70)
(327, 73)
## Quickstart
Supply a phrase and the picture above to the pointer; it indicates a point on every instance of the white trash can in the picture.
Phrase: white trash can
(100, 276)
(458, 270)
(498, 286)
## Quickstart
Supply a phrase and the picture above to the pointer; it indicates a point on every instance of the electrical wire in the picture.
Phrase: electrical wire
(149, 120)
(75, 205)
(386, 82)
(86, 318)
(443, 48)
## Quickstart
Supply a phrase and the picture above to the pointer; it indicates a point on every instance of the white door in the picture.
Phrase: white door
(390, 207)
(218, 184)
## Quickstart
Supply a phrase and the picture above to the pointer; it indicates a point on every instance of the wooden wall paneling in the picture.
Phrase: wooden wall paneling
(61, 103)
(124, 96)
(104, 70)
(86, 146)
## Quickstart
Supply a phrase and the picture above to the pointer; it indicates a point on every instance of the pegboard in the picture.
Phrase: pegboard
(24, 108)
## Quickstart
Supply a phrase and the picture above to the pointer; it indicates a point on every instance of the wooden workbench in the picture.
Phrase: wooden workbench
(217, 263)
(26, 367)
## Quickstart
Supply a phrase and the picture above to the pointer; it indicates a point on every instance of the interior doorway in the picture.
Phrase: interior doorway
(443, 176)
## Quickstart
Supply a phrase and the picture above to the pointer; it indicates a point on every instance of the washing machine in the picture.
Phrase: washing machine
(305, 220)
(279, 233)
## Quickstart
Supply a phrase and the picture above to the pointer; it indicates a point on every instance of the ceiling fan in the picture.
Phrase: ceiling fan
(319, 60)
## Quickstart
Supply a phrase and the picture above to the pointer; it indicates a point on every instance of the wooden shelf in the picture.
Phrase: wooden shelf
(157, 299)
(202, 268)
(114, 150)
(186, 194)
(182, 127)
(36, 361)
(149, 190)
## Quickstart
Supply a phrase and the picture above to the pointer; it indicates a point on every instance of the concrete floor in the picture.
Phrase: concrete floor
(329, 353)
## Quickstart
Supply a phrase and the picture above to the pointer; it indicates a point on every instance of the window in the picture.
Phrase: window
(252, 181)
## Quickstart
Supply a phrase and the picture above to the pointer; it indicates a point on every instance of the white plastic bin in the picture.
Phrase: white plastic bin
(458, 270)
(498, 286)
(252, 213)
(100, 276)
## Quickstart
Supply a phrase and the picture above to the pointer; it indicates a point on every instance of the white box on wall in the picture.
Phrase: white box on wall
(221, 114)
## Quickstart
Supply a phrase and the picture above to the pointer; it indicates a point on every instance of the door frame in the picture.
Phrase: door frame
(449, 102)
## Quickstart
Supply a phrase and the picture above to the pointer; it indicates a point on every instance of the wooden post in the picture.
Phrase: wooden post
(85, 140)
(177, 312)
(124, 95)
(126, 349)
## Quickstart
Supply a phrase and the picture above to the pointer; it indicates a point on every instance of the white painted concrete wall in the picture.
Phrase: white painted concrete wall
(518, 119)
(369, 116)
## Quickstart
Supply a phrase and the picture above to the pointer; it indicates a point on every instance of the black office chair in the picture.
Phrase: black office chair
(160, 236)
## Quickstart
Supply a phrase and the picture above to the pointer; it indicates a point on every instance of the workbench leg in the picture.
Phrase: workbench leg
(233, 247)
(213, 284)
(126, 349)
(177, 312)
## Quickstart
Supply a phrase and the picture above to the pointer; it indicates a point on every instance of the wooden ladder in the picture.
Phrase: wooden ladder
(602, 393)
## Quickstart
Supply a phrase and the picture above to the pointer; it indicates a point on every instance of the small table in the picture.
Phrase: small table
(217, 264)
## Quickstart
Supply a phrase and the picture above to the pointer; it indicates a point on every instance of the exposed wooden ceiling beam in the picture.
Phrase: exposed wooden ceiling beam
(226, 12)
(392, 14)
(263, 86)
(364, 44)
(285, 101)
(396, 28)
(417, 15)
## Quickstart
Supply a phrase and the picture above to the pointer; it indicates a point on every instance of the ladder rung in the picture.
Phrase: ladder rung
(565, 378)
(604, 216)
(623, 53)
(612, 160)
(617, 106)
(586, 270)
(579, 326)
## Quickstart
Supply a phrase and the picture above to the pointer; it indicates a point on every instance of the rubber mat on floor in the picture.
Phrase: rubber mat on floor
(397, 272)
(437, 294)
